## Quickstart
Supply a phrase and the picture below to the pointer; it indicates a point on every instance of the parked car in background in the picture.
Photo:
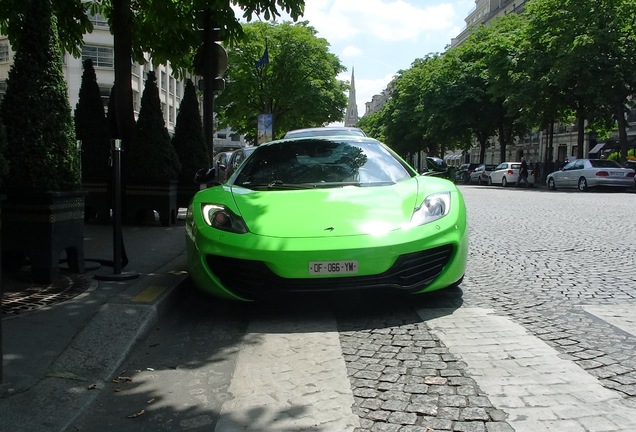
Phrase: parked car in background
(462, 175)
(325, 131)
(436, 167)
(480, 174)
(326, 213)
(584, 174)
(236, 158)
(507, 173)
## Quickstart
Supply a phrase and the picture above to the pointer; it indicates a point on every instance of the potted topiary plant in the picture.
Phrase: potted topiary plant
(43, 214)
(92, 133)
(152, 164)
(189, 144)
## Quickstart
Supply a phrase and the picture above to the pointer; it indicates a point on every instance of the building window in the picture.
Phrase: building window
(104, 92)
(3, 89)
(171, 85)
(101, 56)
(163, 81)
(98, 20)
(170, 115)
(4, 52)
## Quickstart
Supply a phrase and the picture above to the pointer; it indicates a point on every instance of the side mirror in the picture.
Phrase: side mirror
(204, 175)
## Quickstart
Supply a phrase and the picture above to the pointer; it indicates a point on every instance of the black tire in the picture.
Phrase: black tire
(551, 184)
(582, 185)
(489, 181)
(504, 182)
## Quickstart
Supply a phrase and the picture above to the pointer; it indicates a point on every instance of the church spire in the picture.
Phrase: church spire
(351, 115)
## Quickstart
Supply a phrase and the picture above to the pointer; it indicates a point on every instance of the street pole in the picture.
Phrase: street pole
(208, 81)
(117, 232)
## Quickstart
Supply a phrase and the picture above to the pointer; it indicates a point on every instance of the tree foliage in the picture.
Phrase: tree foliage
(153, 159)
(72, 21)
(35, 110)
(91, 127)
(298, 85)
(587, 50)
(188, 136)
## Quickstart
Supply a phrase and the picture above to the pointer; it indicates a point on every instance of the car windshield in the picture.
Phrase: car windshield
(604, 163)
(322, 163)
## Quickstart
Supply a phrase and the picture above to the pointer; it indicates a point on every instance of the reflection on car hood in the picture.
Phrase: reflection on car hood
(327, 212)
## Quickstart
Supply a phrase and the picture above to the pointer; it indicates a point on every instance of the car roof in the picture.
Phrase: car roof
(325, 131)
(352, 138)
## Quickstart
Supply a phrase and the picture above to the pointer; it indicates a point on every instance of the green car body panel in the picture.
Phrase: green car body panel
(288, 229)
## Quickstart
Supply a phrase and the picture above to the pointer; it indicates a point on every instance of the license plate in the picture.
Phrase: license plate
(616, 174)
(333, 267)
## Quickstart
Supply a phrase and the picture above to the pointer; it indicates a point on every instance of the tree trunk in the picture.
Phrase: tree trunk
(122, 40)
(622, 131)
(580, 137)
(502, 142)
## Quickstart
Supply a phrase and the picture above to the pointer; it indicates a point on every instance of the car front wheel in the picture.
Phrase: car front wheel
(551, 184)
(582, 184)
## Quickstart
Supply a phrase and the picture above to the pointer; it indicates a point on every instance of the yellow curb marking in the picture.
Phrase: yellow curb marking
(149, 294)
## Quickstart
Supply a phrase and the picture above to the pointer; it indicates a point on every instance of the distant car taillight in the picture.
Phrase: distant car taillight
(630, 174)
(510, 171)
(602, 174)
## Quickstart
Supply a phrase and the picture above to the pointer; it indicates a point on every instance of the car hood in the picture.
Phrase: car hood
(327, 212)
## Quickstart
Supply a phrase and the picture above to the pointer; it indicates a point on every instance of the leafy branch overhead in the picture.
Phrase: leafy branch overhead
(299, 84)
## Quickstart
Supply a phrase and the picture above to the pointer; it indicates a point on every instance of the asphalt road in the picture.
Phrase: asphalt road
(540, 336)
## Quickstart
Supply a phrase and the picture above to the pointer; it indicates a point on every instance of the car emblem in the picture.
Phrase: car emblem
(329, 229)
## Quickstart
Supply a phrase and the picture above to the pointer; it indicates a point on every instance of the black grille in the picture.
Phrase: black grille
(410, 272)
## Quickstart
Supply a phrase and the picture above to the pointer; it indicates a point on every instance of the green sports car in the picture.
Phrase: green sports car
(325, 213)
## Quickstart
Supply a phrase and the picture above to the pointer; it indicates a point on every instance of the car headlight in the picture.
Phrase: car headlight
(434, 207)
(221, 217)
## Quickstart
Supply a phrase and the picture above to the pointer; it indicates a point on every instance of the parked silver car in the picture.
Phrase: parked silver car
(588, 173)
(481, 173)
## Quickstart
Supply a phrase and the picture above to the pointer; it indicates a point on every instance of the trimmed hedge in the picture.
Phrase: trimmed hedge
(41, 147)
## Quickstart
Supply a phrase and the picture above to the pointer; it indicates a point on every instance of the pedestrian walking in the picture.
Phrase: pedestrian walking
(523, 174)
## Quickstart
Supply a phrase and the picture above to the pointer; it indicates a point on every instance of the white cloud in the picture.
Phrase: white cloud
(386, 20)
(351, 51)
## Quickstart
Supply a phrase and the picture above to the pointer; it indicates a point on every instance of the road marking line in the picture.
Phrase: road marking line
(621, 316)
(525, 377)
(289, 376)
(149, 294)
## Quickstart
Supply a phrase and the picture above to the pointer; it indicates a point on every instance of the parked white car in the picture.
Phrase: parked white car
(507, 173)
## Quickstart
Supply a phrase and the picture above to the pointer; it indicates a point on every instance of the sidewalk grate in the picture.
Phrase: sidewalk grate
(21, 295)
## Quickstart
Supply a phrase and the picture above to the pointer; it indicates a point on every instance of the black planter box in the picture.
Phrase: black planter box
(142, 198)
(41, 226)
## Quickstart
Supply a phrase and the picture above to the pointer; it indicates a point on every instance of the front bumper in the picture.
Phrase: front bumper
(246, 266)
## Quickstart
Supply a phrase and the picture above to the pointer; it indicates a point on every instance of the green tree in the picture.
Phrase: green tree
(373, 125)
(299, 85)
(72, 21)
(35, 110)
(579, 43)
(171, 31)
(166, 29)
(188, 136)
(91, 127)
(4, 164)
(153, 158)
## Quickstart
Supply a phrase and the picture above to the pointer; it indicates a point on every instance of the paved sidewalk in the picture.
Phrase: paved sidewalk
(62, 351)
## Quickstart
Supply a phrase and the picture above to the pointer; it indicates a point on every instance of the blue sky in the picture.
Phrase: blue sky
(380, 37)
